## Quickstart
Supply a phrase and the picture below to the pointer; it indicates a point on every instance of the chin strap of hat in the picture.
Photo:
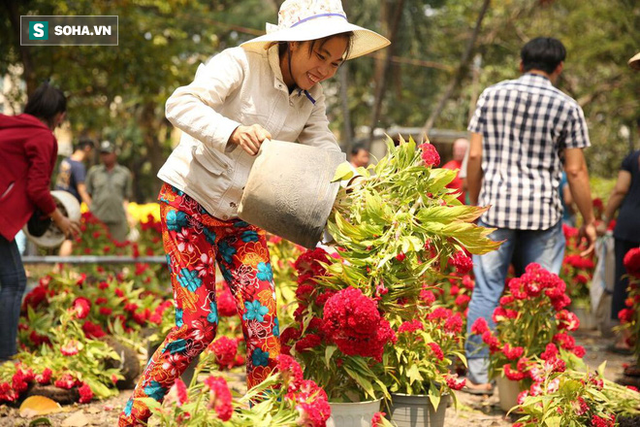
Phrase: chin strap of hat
(300, 91)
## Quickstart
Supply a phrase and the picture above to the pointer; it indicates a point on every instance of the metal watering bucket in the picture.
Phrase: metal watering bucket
(289, 191)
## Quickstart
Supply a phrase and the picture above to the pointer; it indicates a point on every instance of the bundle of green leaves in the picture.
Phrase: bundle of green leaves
(396, 228)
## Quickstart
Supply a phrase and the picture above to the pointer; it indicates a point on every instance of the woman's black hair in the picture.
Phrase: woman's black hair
(46, 102)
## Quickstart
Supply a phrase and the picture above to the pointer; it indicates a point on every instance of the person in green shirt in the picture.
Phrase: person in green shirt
(109, 185)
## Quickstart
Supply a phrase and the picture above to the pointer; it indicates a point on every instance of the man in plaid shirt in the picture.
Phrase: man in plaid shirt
(523, 133)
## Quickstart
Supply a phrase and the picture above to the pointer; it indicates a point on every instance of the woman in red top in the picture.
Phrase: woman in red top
(28, 151)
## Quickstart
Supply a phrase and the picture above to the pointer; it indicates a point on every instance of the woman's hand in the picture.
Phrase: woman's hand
(249, 138)
(69, 228)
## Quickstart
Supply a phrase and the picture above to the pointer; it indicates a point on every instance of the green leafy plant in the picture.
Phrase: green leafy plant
(396, 229)
(574, 399)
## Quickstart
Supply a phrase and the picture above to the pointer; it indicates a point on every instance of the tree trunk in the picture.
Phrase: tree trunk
(347, 137)
(383, 68)
(460, 71)
(25, 54)
(151, 127)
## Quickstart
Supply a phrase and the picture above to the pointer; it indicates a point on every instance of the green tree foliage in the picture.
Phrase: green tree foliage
(119, 92)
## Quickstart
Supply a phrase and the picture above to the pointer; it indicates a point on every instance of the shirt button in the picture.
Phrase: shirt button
(225, 217)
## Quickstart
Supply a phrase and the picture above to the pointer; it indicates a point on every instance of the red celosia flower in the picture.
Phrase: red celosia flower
(67, 381)
(105, 311)
(512, 353)
(225, 350)
(289, 334)
(71, 348)
(220, 397)
(44, 377)
(513, 375)
(427, 297)
(523, 395)
(353, 322)
(376, 420)
(81, 306)
(492, 341)
(597, 421)
(411, 326)
(462, 300)
(480, 326)
(430, 155)
(462, 262)
(290, 371)
(455, 383)
(579, 351)
(308, 341)
(34, 298)
(437, 351)
(92, 330)
(311, 403)
(181, 391)
(86, 394)
(550, 352)
(565, 341)
(567, 320)
(453, 324)
(401, 256)
(226, 303)
(7, 394)
(38, 339)
(309, 262)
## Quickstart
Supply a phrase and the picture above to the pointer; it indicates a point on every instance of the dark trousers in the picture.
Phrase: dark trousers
(620, 289)
(13, 282)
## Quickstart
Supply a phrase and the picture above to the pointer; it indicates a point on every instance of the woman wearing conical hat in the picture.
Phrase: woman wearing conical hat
(269, 87)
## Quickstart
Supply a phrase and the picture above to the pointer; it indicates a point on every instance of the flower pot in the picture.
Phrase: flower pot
(53, 237)
(508, 391)
(353, 414)
(587, 317)
(289, 191)
(417, 411)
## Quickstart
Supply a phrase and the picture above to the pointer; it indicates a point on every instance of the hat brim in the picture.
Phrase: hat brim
(635, 62)
(364, 41)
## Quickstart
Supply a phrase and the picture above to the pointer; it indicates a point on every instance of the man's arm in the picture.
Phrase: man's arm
(578, 176)
(615, 200)
(84, 194)
(474, 168)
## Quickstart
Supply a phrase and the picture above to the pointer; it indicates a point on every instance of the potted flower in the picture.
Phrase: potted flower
(630, 316)
(572, 398)
(396, 228)
(577, 273)
(531, 321)
(282, 399)
(420, 379)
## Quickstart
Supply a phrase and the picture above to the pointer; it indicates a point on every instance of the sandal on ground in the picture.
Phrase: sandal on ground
(476, 391)
(625, 351)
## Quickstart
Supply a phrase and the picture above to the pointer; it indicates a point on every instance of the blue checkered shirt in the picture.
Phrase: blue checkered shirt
(525, 124)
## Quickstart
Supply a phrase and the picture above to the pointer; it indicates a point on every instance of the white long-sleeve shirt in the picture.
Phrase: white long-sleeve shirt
(236, 87)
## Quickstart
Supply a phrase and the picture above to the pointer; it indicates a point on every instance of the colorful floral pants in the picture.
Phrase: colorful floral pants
(193, 241)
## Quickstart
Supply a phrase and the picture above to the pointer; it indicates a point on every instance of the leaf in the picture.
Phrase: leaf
(434, 396)
(40, 421)
(78, 419)
(38, 405)
(329, 352)
(344, 171)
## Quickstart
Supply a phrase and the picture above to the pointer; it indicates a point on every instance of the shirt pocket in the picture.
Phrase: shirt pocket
(213, 163)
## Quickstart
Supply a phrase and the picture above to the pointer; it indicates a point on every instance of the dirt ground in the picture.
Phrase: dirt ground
(478, 411)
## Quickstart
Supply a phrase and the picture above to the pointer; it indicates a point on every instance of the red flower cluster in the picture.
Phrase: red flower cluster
(82, 307)
(86, 394)
(225, 350)
(411, 326)
(462, 262)
(353, 322)
(430, 155)
(309, 263)
(632, 262)
(219, 397)
(312, 404)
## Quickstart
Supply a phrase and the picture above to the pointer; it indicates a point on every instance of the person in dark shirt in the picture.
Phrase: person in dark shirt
(71, 176)
(72, 171)
(626, 196)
